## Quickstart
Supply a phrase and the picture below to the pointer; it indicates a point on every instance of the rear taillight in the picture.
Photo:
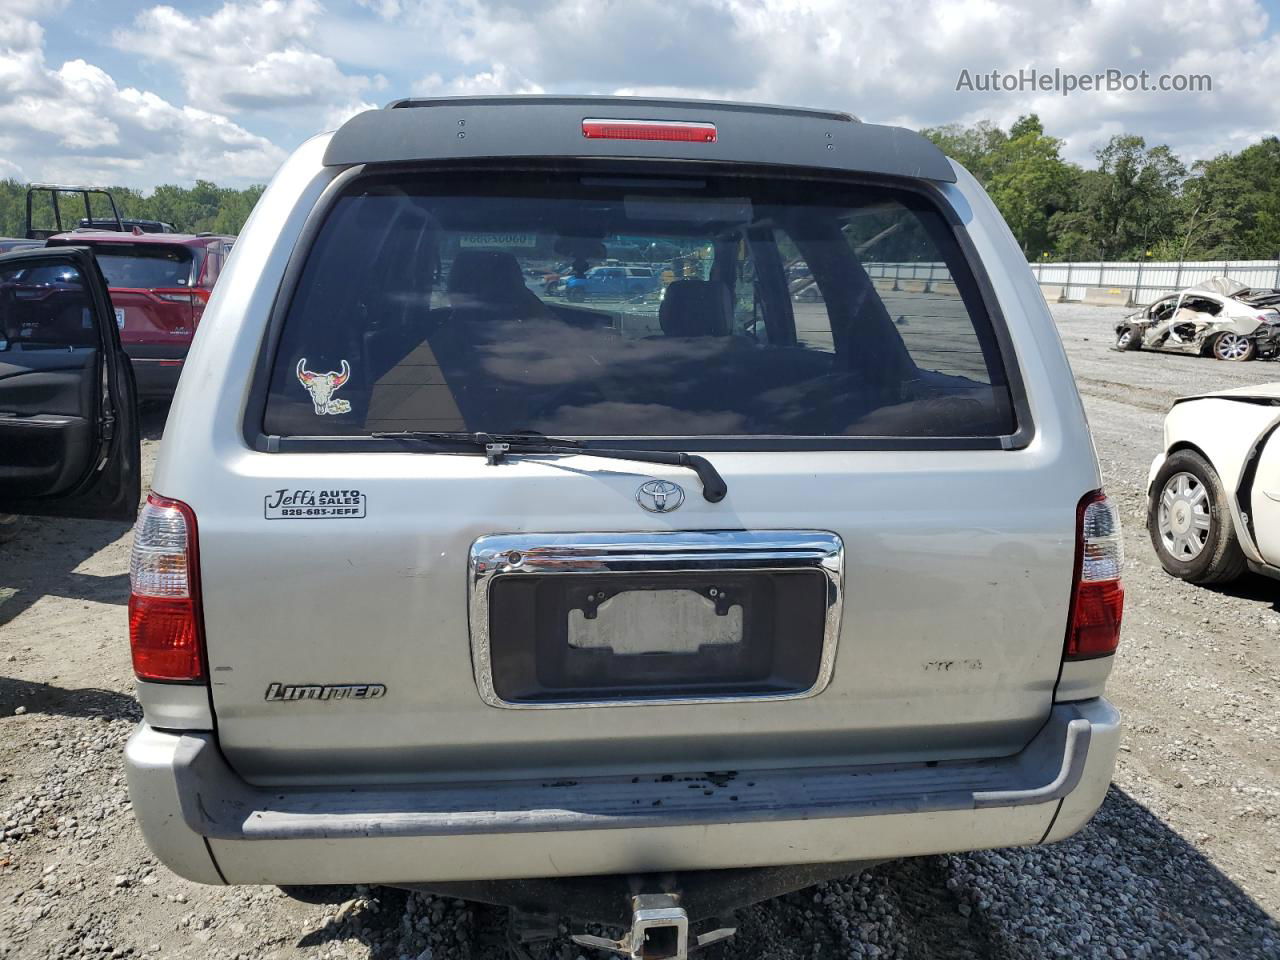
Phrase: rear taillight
(193, 296)
(1097, 600)
(649, 130)
(164, 594)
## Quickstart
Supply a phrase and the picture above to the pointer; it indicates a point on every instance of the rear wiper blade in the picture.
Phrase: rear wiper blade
(497, 445)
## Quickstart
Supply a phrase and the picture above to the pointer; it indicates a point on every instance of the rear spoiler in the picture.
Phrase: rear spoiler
(474, 128)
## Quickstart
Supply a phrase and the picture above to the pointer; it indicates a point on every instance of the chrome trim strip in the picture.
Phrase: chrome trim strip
(655, 551)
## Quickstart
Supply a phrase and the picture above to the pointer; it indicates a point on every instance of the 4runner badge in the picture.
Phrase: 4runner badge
(278, 692)
(322, 387)
(660, 496)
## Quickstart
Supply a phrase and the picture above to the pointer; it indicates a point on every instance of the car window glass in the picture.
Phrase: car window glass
(45, 308)
(757, 307)
(1202, 305)
(144, 266)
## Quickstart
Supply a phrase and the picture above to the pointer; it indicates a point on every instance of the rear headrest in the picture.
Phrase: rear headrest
(696, 308)
(489, 276)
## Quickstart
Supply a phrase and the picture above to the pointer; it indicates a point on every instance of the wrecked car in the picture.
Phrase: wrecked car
(1213, 492)
(1221, 318)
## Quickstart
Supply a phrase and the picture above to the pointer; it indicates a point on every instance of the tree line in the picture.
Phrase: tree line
(202, 208)
(1138, 202)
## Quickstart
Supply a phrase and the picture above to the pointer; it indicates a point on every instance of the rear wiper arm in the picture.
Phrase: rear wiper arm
(497, 445)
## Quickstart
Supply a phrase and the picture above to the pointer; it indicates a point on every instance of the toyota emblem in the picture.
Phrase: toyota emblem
(660, 496)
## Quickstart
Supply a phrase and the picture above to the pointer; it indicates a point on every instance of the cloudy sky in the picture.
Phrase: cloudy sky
(124, 91)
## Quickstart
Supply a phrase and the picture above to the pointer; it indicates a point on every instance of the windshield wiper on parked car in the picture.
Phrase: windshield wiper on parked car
(496, 446)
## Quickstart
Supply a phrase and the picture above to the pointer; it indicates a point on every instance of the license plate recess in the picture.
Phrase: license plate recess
(630, 619)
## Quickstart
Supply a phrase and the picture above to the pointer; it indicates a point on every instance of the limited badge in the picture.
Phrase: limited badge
(278, 692)
(322, 387)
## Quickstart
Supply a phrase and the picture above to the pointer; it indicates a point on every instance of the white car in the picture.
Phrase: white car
(1213, 504)
(447, 584)
(1220, 318)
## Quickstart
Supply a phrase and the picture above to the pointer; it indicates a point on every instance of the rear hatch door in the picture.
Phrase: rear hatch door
(887, 579)
(152, 290)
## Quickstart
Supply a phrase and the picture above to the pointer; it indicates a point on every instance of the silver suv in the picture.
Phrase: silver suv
(447, 583)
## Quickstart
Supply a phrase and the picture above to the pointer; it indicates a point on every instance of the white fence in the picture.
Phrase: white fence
(1150, 280)
(1144, 281)
(915, 270)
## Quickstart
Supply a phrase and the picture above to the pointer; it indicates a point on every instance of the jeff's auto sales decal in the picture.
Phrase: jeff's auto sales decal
(287, 504)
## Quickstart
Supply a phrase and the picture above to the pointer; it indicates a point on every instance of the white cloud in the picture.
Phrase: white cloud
(335, 117)
(76, 123)
(885, 63)
(387, 9)
(290, 67)
(497, 79)
(30, 8)
(244, 56)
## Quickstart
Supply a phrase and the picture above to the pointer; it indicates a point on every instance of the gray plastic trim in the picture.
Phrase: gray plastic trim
(175, 706)
(503, 127)
(218, 804)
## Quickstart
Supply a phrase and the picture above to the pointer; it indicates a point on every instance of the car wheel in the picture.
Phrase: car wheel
(1233, 347)
(576, 295)
(1189, 520)
(1128, 339)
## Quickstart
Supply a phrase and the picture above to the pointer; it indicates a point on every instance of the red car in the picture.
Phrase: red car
(160, 283)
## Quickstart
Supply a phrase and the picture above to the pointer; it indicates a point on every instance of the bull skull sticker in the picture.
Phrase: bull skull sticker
(322, 387)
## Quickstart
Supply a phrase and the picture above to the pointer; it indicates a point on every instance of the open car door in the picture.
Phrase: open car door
(68, 418)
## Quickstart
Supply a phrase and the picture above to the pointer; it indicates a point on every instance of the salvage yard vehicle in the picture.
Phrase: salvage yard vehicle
(47, 202)
(125, 223)
(1220, 318)
(160, 283)
(634, 612)
(1213, 493)
(611, 282)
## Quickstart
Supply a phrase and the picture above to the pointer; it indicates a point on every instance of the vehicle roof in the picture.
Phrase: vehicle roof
(474, 128)
(1222, 286)
(115, 236)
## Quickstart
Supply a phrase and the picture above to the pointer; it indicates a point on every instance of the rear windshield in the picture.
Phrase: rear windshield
(144, 265)
(624, 306)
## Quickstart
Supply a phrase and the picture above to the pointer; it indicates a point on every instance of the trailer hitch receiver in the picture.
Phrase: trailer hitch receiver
(659, 931)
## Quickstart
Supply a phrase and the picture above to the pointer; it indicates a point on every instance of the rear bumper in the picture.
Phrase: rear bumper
(156, 367)
(208, 824)
(1267, 338)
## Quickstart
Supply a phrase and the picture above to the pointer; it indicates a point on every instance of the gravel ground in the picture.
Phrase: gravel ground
(1180, 862)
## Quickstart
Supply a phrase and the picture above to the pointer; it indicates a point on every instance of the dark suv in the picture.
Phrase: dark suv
(160, 283)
